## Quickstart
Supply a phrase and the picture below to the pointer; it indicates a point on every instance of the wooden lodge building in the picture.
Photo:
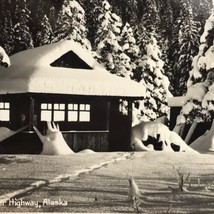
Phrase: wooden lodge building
(62, 82)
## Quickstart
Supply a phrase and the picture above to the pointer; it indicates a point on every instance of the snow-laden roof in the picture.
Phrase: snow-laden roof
(45, 55)
(30, 72)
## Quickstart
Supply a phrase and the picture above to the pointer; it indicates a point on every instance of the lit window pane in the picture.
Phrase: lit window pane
(70, 106)
(45, 115)
(49, 106)
(4, 115)
(75, 106)
(43, 106)
(56, 106)
(84, 116)
(59, 116)
(72, 116)
(62, 106)
(1, 105)
(82, 107)
(7, 105)
(87, 107)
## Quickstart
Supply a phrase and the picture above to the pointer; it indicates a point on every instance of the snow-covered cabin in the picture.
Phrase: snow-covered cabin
(62, 82)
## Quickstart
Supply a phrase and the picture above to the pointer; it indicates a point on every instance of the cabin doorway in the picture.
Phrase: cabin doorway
(120, 129)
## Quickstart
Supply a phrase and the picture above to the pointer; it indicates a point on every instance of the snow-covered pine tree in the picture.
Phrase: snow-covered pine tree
(107, 43)
(199, 100)
(44, 32)
(151, 74)
(199, 105)
(61, 27)
(91, 14)
(166, 18)
(71, 24)
(150, 71)
(129, 45)
(126, 9)
(201, 10)
(23, 38)
(199, 70)
(52, 16)
(187, 42)
(6, 27)
(150, 16)
(166, 23)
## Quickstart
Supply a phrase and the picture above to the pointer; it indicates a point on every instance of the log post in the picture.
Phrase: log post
(31, 114)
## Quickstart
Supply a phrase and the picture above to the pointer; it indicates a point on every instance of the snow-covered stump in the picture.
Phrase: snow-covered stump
(53, 142)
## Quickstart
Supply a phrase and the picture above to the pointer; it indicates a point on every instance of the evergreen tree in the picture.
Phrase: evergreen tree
(199, 105)
(166, 23)
(71, 24)
(107, 43)
(150, 16)
(6, 27)
(7, 35)
(23, 38)
(52, 16)
(126, 9)
(201, 10)
(199, 71)
(185, 48)
(61, 27)
(43, 32)
(150, 73)
(129, 45)
(91, 8)
(166, 18)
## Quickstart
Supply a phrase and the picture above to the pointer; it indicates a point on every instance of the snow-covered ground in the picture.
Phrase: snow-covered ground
(105, 190)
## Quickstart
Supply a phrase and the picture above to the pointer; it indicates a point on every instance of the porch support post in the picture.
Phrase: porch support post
(108, 115)
(130, 101)
(31, 114)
